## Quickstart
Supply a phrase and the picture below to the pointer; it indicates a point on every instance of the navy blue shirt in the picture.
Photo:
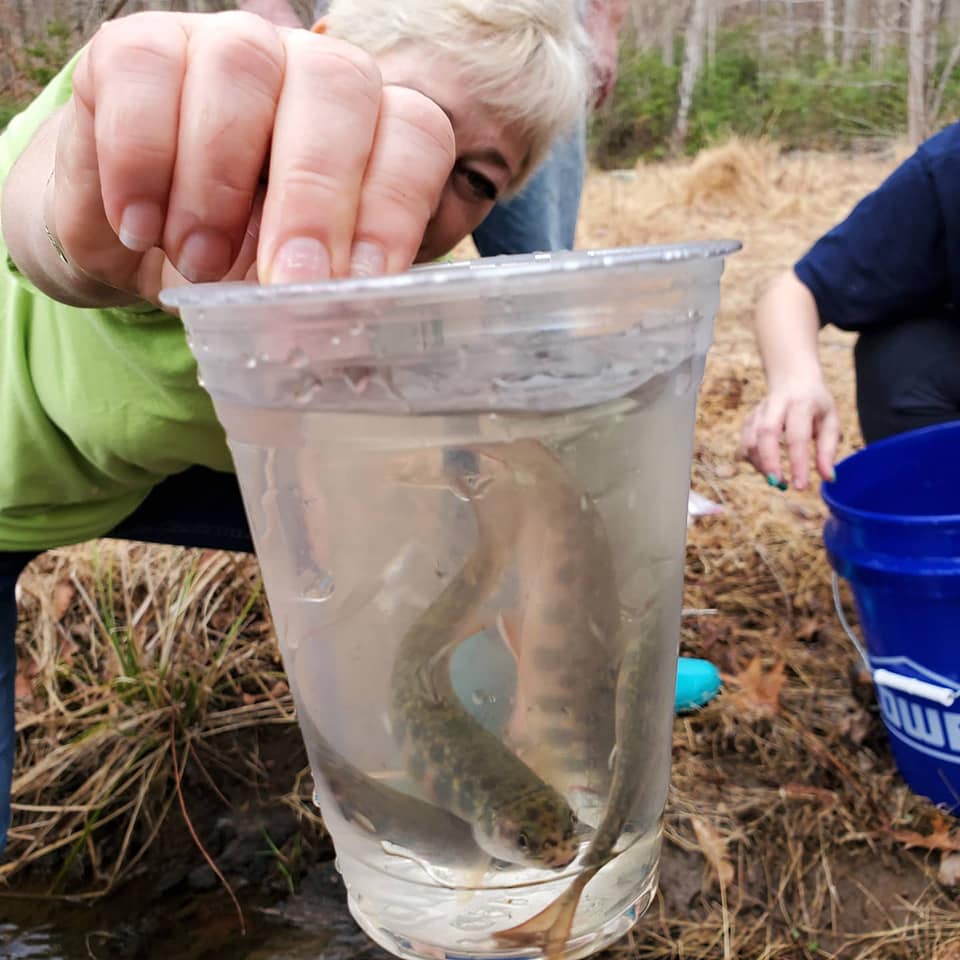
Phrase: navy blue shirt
(897, 255)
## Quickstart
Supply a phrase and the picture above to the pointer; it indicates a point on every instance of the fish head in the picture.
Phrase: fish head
(538, 831)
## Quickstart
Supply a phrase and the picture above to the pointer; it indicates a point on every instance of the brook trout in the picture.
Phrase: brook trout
(385, 813)
(566, 635)
(582, 668)
(551, 928)
(459, 765)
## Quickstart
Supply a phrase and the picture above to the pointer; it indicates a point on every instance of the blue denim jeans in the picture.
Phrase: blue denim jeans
(196, 508)
(543, 216)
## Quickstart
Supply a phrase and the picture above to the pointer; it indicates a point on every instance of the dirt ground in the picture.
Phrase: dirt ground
(789, 834)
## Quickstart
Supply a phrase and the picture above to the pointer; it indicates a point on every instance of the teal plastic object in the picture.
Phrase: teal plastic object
(698, 682)
(482, 671)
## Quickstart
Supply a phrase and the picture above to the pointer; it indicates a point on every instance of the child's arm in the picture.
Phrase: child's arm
(798, 406)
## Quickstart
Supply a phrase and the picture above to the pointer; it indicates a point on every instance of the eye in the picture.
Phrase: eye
(479, 186)
(523, 842)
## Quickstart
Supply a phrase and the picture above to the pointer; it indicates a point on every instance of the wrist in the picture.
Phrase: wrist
(798, 371)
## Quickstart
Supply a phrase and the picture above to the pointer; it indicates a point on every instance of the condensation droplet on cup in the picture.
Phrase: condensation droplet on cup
(305, 389)
(321, 590)
(335, 341)
(249, 362)
(297, 359)
(357, 378)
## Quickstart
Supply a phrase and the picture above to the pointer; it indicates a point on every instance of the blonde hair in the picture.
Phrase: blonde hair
(526, 60)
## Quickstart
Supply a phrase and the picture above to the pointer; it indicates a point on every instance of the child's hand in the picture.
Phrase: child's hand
(797, 412)
(176, 122)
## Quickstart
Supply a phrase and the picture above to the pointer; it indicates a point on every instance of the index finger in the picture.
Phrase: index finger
(323, 134)
(409, 165)
(114, 170)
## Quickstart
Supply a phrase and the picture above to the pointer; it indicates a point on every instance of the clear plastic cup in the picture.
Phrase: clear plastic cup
(467, 487)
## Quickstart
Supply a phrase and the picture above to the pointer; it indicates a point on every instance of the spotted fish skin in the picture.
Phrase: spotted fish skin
(552, 928)
(567, 637)
(387, 814)
(456, 762)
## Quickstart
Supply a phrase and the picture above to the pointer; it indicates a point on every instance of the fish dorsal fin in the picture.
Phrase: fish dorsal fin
(509, 628)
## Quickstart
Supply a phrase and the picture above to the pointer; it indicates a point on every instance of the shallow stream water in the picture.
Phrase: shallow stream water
(314, 923)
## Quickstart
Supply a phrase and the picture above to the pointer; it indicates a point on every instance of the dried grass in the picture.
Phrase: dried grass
(807, 799)
(786, 823)
(133, 659)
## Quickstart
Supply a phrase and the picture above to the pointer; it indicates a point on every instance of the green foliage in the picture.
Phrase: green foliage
(639, 115)
(37, 64)
(793, 96)
(8, 110)
(44, 59)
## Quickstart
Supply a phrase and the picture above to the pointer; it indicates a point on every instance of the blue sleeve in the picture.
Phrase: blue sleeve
(890, 259)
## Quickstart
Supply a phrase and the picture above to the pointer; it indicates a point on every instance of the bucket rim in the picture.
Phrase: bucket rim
(464, 275)
(843, 511)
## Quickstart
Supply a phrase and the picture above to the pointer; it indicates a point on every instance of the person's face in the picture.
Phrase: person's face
(490, 152)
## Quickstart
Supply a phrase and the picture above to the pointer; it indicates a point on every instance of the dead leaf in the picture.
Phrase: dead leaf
(855, 725)
(22, 688)
(947, 951)
(807, 629)
(941, 837)
(714, 849)
(949, 873)
(279, 689)
(759, 693)
(803, 512)
(63, 594)
(68, 647)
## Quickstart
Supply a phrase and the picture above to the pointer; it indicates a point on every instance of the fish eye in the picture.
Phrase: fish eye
(523, 841)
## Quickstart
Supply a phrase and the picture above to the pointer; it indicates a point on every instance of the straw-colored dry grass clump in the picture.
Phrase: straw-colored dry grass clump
(134, 660)
(789, 833)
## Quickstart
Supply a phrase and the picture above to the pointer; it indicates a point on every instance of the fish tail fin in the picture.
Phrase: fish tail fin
(509, 627)
(550, 929)
(475, 876)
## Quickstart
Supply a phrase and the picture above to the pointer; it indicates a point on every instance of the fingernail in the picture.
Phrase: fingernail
(141, 225)
(300, 260)
(205, 255)
(367, 259)
(833, 476)
(775, 481)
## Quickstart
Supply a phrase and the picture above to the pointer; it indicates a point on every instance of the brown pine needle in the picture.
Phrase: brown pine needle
(177, 776)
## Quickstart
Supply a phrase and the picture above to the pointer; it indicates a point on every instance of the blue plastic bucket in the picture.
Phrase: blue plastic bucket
(894, 535)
